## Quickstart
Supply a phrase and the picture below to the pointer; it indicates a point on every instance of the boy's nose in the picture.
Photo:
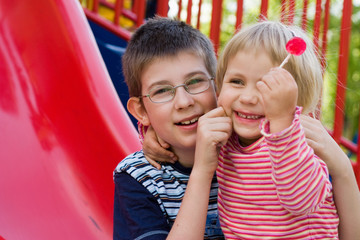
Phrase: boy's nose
(182, 98)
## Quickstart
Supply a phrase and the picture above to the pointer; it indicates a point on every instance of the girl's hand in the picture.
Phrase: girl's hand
(155, 149)
(279, 98)
(213, 131)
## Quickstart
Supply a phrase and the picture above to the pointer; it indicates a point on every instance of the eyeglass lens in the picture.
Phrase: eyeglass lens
(166, 93)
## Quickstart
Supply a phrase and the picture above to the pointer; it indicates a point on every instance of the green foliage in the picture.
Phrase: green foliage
(352, 103)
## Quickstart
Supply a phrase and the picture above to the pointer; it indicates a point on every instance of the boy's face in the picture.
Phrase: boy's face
(175, 121)
(239, 95)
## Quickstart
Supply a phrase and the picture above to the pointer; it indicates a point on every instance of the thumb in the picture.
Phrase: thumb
(217, 112)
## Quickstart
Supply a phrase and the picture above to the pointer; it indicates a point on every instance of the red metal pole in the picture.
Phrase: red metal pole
(179, 11)
(304, 15)
(95, 8)
(283, 9)
(162, 8)
(263, 9)
(140, 12)
(239, 14)
(345, 32)
(356, 166)
(317, 22)
(291, 12)
(324, 35)
(189, 7)
(118, 7)
(135, 6)
(215, 23)
(199, 15)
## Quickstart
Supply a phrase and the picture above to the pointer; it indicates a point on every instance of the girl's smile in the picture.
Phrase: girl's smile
(239, 95)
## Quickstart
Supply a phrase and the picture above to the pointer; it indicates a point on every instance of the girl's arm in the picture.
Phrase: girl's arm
(301, 178)
(345, 188)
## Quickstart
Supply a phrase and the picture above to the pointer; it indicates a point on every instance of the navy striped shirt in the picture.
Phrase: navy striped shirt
(147, 200)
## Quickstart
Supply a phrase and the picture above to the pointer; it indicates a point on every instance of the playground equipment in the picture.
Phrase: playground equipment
(191, 12)
(63, 128)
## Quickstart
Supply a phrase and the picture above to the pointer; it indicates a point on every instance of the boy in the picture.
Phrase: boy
(169, 68)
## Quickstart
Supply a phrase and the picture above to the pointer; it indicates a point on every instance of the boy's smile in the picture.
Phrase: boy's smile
(175, 121)
(239, 95)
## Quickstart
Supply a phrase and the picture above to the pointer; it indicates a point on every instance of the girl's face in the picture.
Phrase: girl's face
(239, 95)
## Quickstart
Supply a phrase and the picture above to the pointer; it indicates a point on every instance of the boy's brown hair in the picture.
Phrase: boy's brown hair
(163, 37)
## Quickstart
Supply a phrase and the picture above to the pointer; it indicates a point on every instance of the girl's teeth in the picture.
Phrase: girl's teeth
(248, 116)
(190, 121)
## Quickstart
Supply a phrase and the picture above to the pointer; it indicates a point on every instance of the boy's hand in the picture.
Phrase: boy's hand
(279, 98)
(325, 146)
(155, 149)
(213, 131)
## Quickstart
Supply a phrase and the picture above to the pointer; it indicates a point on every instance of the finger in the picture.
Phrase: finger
(263, 87)
(163, 155)
(268, 81)
(282, 76)
(216, 124)
(153, 163)
(217, 112)
(311, 143)
(163, 143)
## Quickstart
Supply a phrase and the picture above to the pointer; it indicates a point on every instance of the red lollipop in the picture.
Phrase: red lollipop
(295, 46)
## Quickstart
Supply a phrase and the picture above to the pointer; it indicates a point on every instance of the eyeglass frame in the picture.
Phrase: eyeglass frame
(211, 79)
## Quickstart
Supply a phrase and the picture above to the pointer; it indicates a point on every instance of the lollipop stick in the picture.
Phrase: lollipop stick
(285, 60)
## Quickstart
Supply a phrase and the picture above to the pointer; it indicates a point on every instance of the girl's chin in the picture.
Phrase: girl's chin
(247, 134)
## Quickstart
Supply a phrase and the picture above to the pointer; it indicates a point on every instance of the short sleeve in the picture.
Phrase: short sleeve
(137, 214)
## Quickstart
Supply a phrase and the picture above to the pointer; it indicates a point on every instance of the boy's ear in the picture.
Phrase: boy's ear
(137, 109)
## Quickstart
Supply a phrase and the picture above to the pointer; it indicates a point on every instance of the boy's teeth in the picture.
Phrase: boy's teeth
(189, 122)
(248, 116)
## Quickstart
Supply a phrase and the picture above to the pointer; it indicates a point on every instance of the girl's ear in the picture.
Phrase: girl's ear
(137, 109)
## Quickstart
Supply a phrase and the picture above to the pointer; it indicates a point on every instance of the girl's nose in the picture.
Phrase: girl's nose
(182, 98)
(250, 96)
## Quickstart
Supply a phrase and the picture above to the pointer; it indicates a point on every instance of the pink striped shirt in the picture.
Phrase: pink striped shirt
(275, 188)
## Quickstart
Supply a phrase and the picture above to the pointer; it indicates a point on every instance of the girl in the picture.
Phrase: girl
(271, 184)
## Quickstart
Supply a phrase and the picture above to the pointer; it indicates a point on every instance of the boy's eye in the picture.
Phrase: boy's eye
(161, 90)
(195, 81)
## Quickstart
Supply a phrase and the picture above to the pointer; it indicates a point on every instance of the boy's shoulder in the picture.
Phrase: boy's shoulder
(137, 166)
(134, 160)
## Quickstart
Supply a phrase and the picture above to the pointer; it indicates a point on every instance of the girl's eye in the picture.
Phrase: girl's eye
(237, 81)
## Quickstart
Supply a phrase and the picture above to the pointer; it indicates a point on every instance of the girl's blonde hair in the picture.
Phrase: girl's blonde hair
(272, 37)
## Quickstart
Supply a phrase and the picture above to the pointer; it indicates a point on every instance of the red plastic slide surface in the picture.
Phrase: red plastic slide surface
(62, 127)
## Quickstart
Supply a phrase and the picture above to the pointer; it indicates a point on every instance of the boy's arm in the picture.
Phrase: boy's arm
(214, 128)
(155, 149)
(131, 219)
(345, 188)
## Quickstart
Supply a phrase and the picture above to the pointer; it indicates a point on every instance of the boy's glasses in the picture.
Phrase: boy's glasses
(166, 93)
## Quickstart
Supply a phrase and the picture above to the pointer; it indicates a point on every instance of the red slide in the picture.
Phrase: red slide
(62, 126)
